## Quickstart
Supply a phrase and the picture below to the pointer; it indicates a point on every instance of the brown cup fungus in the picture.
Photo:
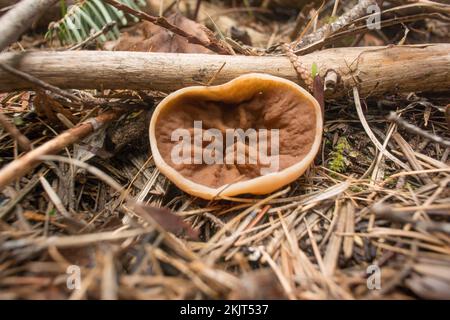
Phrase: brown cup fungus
(251, 135)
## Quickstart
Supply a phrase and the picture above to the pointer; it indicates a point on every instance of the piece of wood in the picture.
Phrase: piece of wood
(17, 20)
(375, 70)
(21, 166)
(53, 13)
(359, 10)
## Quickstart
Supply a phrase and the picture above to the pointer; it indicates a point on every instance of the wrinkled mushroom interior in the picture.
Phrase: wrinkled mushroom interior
(250, 104)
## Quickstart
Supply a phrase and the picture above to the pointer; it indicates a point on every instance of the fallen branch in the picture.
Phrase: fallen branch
(21, 166)
(375, 70)
(357, 21)
(17, 20)
(361, 29)
(356, 12)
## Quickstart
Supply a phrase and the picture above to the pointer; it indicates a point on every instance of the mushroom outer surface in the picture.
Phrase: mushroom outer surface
(257, 101)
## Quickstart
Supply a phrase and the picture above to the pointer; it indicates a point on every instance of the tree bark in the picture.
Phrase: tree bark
(375, 70)
(17, 20)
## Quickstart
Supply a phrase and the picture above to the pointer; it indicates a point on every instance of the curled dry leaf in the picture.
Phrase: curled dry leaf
(148, 37)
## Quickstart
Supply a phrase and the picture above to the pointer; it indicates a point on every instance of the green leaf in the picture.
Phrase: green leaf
(63, 5)
(314, 70)
(90, 22)
(73, 29)
(106, 15)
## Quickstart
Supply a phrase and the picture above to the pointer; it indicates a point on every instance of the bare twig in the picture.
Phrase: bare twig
(416, 130)
(357, 11)
(106, 28)
(23, 141)
(360, 29)
(197, 9)
(6, 209)
(39, 83)
(23, 165)
(65, 96)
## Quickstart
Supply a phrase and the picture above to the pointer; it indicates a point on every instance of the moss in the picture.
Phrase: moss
(338, 161)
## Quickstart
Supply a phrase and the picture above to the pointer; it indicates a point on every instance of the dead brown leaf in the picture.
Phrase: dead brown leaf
(148, 37)
(48, 107)
(166, 219)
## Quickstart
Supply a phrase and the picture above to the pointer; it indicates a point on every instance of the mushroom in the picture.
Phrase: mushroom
(251, 135)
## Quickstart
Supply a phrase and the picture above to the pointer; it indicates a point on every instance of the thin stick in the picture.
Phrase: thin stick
(7, 208)
(213, 44)
(23, 141)
(197, 9)
(66, 96)
(336, 4)
(106, 28)
(21, 166)
(360, 29)
(356, 12)
(75, 240)
(39, 83)
(413, 129)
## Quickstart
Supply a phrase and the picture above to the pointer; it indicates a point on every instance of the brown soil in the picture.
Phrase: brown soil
(266, 107)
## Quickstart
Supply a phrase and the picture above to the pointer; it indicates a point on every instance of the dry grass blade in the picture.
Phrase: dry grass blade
(333, 249)
(370, 133)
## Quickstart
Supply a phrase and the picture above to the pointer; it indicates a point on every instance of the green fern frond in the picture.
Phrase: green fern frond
(89, 16)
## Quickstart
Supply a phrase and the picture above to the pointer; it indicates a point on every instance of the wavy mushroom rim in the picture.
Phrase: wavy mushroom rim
(260, 185)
